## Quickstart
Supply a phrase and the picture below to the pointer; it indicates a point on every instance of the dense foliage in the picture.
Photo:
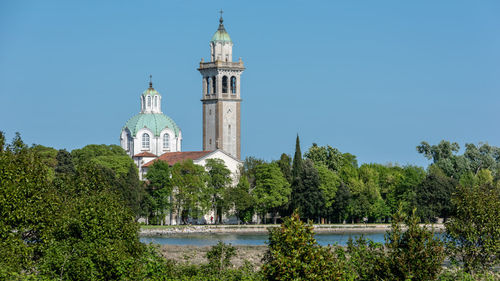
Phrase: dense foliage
(295, 255)
(73, 215)
(73, 226)
(474, 232)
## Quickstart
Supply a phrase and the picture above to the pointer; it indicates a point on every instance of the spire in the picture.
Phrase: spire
(151, 81)
(221, 20)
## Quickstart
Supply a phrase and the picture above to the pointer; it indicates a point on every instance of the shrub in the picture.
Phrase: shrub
(294, 254)
(414, 254)
(219, 256)
(411, 254)
(473, 234)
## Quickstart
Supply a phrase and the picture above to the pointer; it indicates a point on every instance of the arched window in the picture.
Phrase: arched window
(166, 141)
(224, 84)
(156, 101)
(233, 85)
(214, 82)
(149, 101)
(145, 141)
(208, 85)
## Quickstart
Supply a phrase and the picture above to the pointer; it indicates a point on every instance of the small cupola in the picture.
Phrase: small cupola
(221, 46)
(150, 99)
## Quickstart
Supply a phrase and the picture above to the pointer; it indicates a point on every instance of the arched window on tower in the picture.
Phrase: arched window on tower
(145, 141)
(166, 141)
(208, 85)
(224, 84)
(214, 82)
(156, 101)
(149, 101)
(233, 85)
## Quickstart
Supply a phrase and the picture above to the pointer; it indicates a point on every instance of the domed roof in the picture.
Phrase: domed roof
(155, 122)
(221, 34)
(150, 91)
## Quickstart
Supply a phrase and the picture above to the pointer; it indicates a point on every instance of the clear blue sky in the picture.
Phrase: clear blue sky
(373, 78)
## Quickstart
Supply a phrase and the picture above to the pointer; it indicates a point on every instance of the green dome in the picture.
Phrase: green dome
(155, 122)
(221, 34)
(150, 91)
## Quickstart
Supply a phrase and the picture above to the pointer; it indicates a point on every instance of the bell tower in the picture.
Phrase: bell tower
(221, 97)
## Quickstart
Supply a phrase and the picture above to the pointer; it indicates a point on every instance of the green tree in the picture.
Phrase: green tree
(339, 209)
(160, 190)
(81, 232)
(109, 156)
(308, 197)
(483, 156)
(25, 209)
(329, 183)
(297, 161)
(133, 191)
(285, 166)
(294, 254)
(219, 181)
(444, 155)
(94, 238)
(433, 195)
(2, 141)
(192, 196)
(47, 155)
(248, 169)
(64, 163)
(297, 186)
(241, 200)
(473, 233)
(271, 189)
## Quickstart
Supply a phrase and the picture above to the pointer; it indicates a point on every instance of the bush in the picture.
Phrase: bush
(414, 254)
(365, 258)
(219, 256)
(294, 254)
(473, 235)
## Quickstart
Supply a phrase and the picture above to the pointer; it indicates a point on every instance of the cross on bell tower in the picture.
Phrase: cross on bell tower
(221, 95)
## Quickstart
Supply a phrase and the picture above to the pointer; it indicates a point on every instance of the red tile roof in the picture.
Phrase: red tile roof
(173, 157)
(145, 154)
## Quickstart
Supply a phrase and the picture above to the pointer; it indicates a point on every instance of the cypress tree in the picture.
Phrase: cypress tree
(297, 185)
(297, 160)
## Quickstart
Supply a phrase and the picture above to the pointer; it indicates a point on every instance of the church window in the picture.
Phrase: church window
(210, 141)
(208, 85)
(233, 85)
(214, 82)
(156, 101)
(166, 141)
(224, 84)
(149, 101)
(145, 141)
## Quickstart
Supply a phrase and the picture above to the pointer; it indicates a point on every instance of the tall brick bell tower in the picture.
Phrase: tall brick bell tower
(221, 96)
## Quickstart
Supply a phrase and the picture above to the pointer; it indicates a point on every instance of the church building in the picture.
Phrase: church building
(153, 136)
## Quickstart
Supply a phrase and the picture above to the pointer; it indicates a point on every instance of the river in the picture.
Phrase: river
(251, 239)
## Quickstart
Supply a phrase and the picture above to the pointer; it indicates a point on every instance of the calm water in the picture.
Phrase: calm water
(208, 239)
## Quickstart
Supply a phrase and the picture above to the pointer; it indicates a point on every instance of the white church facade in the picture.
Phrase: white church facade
(153, 136)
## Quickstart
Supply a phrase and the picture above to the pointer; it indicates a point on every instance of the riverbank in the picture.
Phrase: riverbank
(197, 254)
(155, 230)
